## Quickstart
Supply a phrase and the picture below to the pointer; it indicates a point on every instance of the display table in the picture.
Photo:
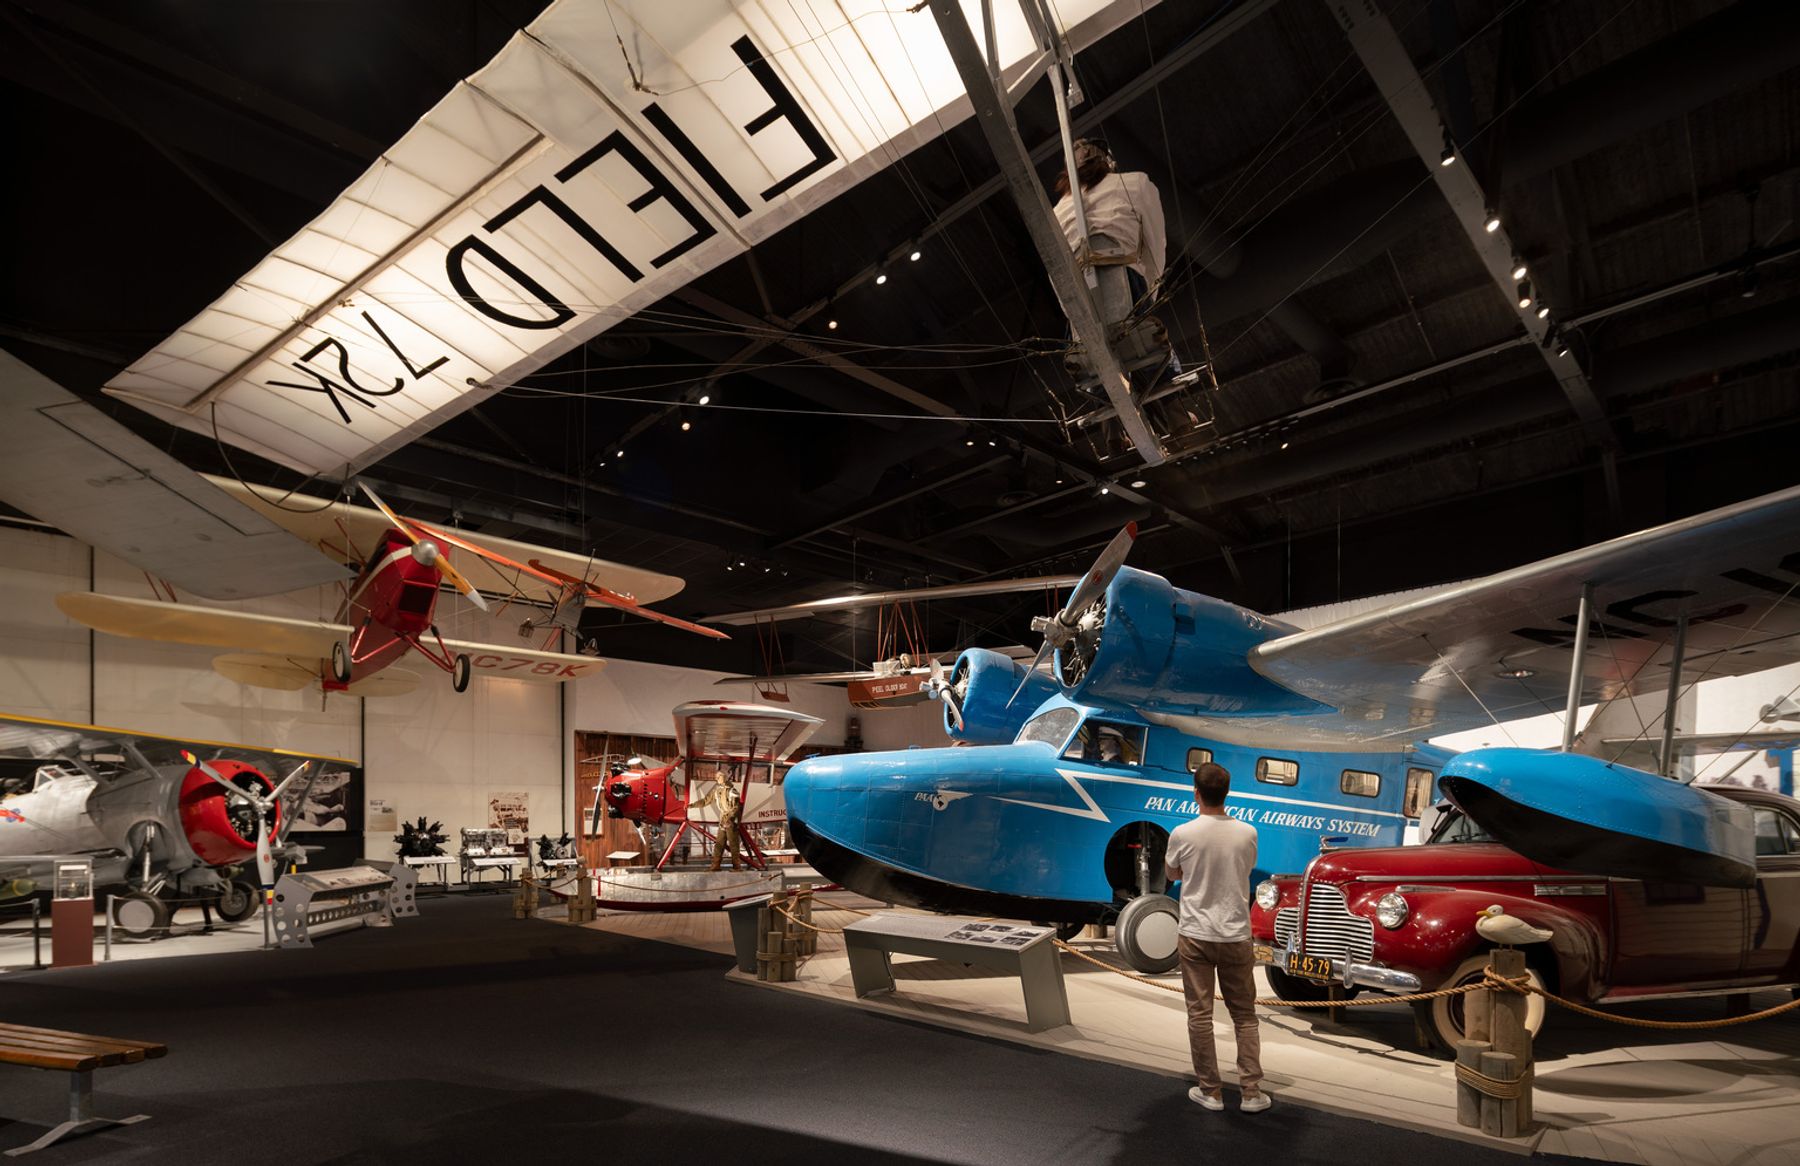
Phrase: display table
(442, 862)
(507, 864)
(1027, 952)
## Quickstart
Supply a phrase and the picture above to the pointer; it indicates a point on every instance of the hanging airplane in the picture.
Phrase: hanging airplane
(1063, 811)
(388, 611)
(162, 827)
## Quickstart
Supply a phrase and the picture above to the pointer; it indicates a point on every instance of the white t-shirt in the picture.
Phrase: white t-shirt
(1127, 209)
(1215, 856)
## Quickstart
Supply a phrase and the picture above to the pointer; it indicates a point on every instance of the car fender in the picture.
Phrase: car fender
(1440, 934)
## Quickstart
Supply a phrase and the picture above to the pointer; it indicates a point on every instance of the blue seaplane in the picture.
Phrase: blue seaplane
(1056, 801)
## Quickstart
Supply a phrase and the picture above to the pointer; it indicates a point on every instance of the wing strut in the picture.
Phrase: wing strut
(993, 110)
(1577, 666)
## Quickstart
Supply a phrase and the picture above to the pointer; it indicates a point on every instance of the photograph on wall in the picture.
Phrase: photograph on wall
(324, 807)
(510, 812)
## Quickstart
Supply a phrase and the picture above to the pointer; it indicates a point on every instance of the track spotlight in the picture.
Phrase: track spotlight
(705, 399)
(831, 324)
(881, 279)
(1492, 223)
(1139, 484)
(1747, 280)
(914, 257)
(1104, 490)
(1562, 349)
(1518, 268)
(1543, 312)
(686, 425)
(1448, 157)
(1524, 294)
(1284, 445)
(619, 453)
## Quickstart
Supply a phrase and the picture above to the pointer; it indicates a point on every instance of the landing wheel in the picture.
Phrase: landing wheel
(1145, 933)
(459, 673)
(237, 902)
(1442, 1018)
(138, 915)
(340, 662)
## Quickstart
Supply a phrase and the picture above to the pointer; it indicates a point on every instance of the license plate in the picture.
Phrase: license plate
(1313, 967)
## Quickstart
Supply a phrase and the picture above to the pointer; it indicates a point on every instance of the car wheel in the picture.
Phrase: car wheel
(237, 902)
(1442, 1018)
(140, 915)
(1145, 933)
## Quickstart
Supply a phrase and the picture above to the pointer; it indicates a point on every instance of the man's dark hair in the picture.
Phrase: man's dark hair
(1211, 783)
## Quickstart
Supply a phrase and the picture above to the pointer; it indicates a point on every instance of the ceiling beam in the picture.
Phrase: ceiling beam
(1392, 69)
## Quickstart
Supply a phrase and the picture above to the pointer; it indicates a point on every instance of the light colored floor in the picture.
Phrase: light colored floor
(1724, 1096)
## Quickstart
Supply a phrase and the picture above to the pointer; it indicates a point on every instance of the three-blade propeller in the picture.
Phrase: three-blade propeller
(442, 563)
(1058, 629)
(939, 687)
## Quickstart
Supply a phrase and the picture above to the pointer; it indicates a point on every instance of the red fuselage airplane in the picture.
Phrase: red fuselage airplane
(391, 605)
(646, 796)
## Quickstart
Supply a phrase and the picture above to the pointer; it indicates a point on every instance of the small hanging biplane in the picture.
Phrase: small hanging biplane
(388, 611)
(723, 743)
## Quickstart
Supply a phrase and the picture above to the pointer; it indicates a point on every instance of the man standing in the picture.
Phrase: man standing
(1212, 857)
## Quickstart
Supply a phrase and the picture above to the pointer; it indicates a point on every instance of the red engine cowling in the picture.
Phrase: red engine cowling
(219, 833)
(645, 796)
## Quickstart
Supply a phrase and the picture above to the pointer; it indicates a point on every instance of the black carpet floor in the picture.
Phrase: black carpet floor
(468, 1036)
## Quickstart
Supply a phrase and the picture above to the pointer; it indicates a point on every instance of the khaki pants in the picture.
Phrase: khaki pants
(1200, 960)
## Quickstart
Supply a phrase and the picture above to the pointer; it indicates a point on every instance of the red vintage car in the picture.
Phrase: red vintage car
(1402, 919)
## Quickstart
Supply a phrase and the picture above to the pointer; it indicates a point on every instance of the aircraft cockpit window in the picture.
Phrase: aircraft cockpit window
(1277, 771)
(1052, 727)
(1418, 791)
(1107, 742)
(1360, 783)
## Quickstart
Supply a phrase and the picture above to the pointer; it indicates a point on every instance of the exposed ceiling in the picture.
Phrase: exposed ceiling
(1381, 418)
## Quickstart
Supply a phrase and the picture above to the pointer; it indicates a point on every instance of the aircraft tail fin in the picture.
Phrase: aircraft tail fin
(1628, 730)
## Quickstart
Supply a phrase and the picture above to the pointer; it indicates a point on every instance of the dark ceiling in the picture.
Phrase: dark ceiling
(1380, 419)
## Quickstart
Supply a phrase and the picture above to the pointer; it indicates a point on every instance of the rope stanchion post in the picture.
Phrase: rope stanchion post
(1508, 1032)
(1468, 1096)
(1500, 1114)
(581, 907)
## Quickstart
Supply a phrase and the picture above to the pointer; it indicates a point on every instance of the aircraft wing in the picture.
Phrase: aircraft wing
(345, 531)
(730, 730)
(525, 664)
(77, 469)
(1501, 647)
(814, 607)
(185, 623)
(607, 156)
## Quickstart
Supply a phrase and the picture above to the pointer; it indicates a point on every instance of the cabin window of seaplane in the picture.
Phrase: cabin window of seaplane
(1052, 728)
(1106, 741)
(1277, 771)
(1418, 792)
(1197, 758)
(1775, 834)
(1360, 783)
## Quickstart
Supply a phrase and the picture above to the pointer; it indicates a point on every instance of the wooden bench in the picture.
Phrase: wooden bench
(77, 1055)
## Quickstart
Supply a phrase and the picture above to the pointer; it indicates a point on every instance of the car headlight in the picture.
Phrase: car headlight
(1267, 894)
(1391, 910)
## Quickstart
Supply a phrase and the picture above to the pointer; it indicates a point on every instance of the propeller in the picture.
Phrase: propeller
(939, 687)
(1058, 629)
(264, 805)
(437, 559)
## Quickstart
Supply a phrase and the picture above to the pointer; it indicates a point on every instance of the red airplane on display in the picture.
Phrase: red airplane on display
(388, 611)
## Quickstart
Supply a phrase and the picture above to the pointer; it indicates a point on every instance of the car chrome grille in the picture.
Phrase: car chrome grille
(1287, 921)
(1331, 930)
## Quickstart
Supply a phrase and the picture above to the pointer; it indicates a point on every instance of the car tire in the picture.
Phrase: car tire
(1442, 1018)
(1146, 935)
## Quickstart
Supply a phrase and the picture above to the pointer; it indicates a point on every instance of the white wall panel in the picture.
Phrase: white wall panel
(43, 653)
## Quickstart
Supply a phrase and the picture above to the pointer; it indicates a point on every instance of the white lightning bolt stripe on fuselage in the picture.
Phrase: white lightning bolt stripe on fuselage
(1093, 811)
(393, 557)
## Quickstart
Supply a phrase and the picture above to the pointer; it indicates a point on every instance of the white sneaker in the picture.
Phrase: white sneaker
(1205, 1100)
(1255, 1102)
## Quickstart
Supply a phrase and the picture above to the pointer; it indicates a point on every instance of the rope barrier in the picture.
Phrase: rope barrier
(1492, 1086)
